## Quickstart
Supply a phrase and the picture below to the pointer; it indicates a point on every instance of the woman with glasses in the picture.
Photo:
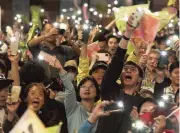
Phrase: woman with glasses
(78, 112)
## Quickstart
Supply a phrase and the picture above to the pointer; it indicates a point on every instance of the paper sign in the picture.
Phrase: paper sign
(92, 48)
(29, 123)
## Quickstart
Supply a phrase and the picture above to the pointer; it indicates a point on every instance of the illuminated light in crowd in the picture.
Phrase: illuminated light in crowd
(40, 57)
(172, 21)
(12, 39)
(109, 11)
(19, 51)
(42, 10)
(70, 9)
(87, 21)
(126, 18)
(161, 104)
(76, 21)
(76, 26)
(18, 16)
(91, 9)
(115, 2)
(30, 23)
(85, 26)
(114, 34)
(168, 42)
(19, 20)
(170, 25)
(68, 17)
(1, 42)
(156, 13)
(165, 97)
(56, 24)
(62, 16)
(175, 37)
(79, 18)
(15, 18)
(179, 23)
(79, 12)
(64, 10)
(100, 15)
(95, 13)
(85, 4)
(119, 33)
(22, 27)
(120, 104)
(115, 9)
(139, 125)
(163, 53)
(109, 5)
(100, 26)
(100, 30)
(73, 17)
(139, 9)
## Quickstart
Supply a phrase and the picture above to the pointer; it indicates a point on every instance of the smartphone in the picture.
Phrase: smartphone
(139, 13)
(103, 57)
(115, 107)
(14, 44)
(46, 57)
(15, 93)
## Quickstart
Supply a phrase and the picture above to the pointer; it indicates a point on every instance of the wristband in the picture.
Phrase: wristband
(125, 38)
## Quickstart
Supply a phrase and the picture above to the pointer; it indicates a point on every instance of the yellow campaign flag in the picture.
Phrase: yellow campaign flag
(171, 2)
(54, 129)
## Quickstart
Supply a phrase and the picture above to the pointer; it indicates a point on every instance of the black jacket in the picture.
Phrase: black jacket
(50, 114)
(110, 90)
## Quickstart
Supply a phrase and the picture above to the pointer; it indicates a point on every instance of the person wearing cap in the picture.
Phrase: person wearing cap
(131, 76)
(84, 69)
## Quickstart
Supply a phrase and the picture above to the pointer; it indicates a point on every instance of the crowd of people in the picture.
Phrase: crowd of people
(107, 91)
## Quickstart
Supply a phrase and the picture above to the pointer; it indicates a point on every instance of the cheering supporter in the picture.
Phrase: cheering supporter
(131, 76)
(98, 68)
(174, 77)
(86, 75)
(49, 39)
(112, 42)
(77, 112)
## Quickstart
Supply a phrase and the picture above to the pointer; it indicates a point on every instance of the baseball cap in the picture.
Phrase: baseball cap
(141, 73)
(4, 82)
(98, 64)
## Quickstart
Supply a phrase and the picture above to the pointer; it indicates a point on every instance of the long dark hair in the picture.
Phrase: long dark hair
(83, 81)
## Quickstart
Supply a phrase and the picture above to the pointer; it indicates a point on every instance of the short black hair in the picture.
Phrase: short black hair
(173, 66)
(83, 81)
(146, 100)
(99, 37)
(32, 72)
(112, 36)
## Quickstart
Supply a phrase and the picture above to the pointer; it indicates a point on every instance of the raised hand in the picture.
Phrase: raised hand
(98, 111)
(52, 32)
(13, 58)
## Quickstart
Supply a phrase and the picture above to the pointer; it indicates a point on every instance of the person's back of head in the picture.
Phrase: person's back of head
(32, 72)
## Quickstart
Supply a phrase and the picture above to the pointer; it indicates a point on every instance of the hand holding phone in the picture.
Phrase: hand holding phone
(115, 107)
(103, 57)
(46, 57)
(14, 43)
(15, 93)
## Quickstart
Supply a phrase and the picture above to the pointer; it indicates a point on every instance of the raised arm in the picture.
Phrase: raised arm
(70, 98)
(38, 40)
(14, 68)
(115, 68)
(83, 68)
